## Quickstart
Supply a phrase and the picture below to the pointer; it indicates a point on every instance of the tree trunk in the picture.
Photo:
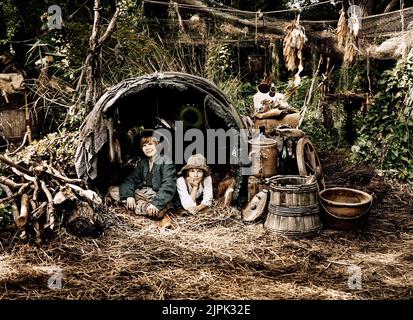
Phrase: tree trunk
(93, 71)
(93, 62)
(366, 7)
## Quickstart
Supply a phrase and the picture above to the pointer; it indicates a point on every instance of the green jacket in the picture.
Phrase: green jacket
(163, 181)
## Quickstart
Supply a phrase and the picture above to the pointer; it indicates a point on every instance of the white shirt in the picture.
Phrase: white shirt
(204, 190)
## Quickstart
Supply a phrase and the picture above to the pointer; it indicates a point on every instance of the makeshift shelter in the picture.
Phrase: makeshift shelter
(143, 102)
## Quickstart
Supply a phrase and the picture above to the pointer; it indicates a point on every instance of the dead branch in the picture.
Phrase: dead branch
(309, 94)
(10, 183)
(22, 144)
(14, 195)
(24, 212)
(33, 204)
(50, 219)
(86, 194)
(47, 168)
(93, 63)
(111, 27)
(38, 212)
(36, 190)
(11, 163)
(65, 198)
(24, 175)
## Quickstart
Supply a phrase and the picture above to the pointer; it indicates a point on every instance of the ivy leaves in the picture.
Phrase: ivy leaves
(386, 137)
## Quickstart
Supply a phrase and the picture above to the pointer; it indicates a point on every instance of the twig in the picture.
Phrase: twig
(310, 94)
(38, 212)
(13, 195)
(86, 194)
(10, 183)
(11, 163)
(22, 144)
(50, 209)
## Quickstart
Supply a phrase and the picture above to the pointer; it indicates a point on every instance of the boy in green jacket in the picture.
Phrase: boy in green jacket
(152, 184)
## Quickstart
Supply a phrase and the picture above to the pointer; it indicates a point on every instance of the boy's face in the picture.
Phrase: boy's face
(149, 149)
(195, 175)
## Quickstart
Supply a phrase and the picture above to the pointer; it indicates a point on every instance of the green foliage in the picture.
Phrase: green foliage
(8, 13)
(239, 93)
(219, 65)
(59, 145)
(297, 95)
(386, 136)
(5, 213)
(323, 138)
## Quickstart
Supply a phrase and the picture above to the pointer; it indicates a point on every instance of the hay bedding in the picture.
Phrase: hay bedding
(216, 256)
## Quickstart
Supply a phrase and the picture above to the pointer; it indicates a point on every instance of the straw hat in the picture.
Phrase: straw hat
(196, 161)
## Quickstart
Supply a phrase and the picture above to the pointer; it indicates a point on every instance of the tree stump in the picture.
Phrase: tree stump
(82, 220)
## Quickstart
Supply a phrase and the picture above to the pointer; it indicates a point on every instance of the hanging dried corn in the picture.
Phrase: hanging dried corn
(350, 50)
(342, 29)
(292, 48)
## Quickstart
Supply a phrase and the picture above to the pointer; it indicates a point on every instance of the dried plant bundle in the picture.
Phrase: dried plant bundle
(342, 29)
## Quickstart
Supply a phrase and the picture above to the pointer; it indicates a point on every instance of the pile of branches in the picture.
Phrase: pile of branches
(41, 197)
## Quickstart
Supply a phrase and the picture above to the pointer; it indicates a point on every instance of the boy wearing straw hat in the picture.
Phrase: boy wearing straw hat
(194, 186)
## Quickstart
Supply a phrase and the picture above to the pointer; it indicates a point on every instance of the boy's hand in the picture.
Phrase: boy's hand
(193, 210)
(195, 182)
(152, 210)
(130, 203)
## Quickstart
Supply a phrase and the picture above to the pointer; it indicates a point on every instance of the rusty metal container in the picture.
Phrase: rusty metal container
(263, 155)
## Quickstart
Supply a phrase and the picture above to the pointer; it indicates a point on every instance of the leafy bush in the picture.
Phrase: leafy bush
(386, 136)
(239, 93)
(323, 138)
(5, 212)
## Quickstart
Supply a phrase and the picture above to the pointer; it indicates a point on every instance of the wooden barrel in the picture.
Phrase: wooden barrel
(293, 208)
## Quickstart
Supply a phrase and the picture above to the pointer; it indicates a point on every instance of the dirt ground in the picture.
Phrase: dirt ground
(217, 256)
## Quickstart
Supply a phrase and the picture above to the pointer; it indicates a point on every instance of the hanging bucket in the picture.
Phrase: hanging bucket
(293, 208)
(345, 208)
